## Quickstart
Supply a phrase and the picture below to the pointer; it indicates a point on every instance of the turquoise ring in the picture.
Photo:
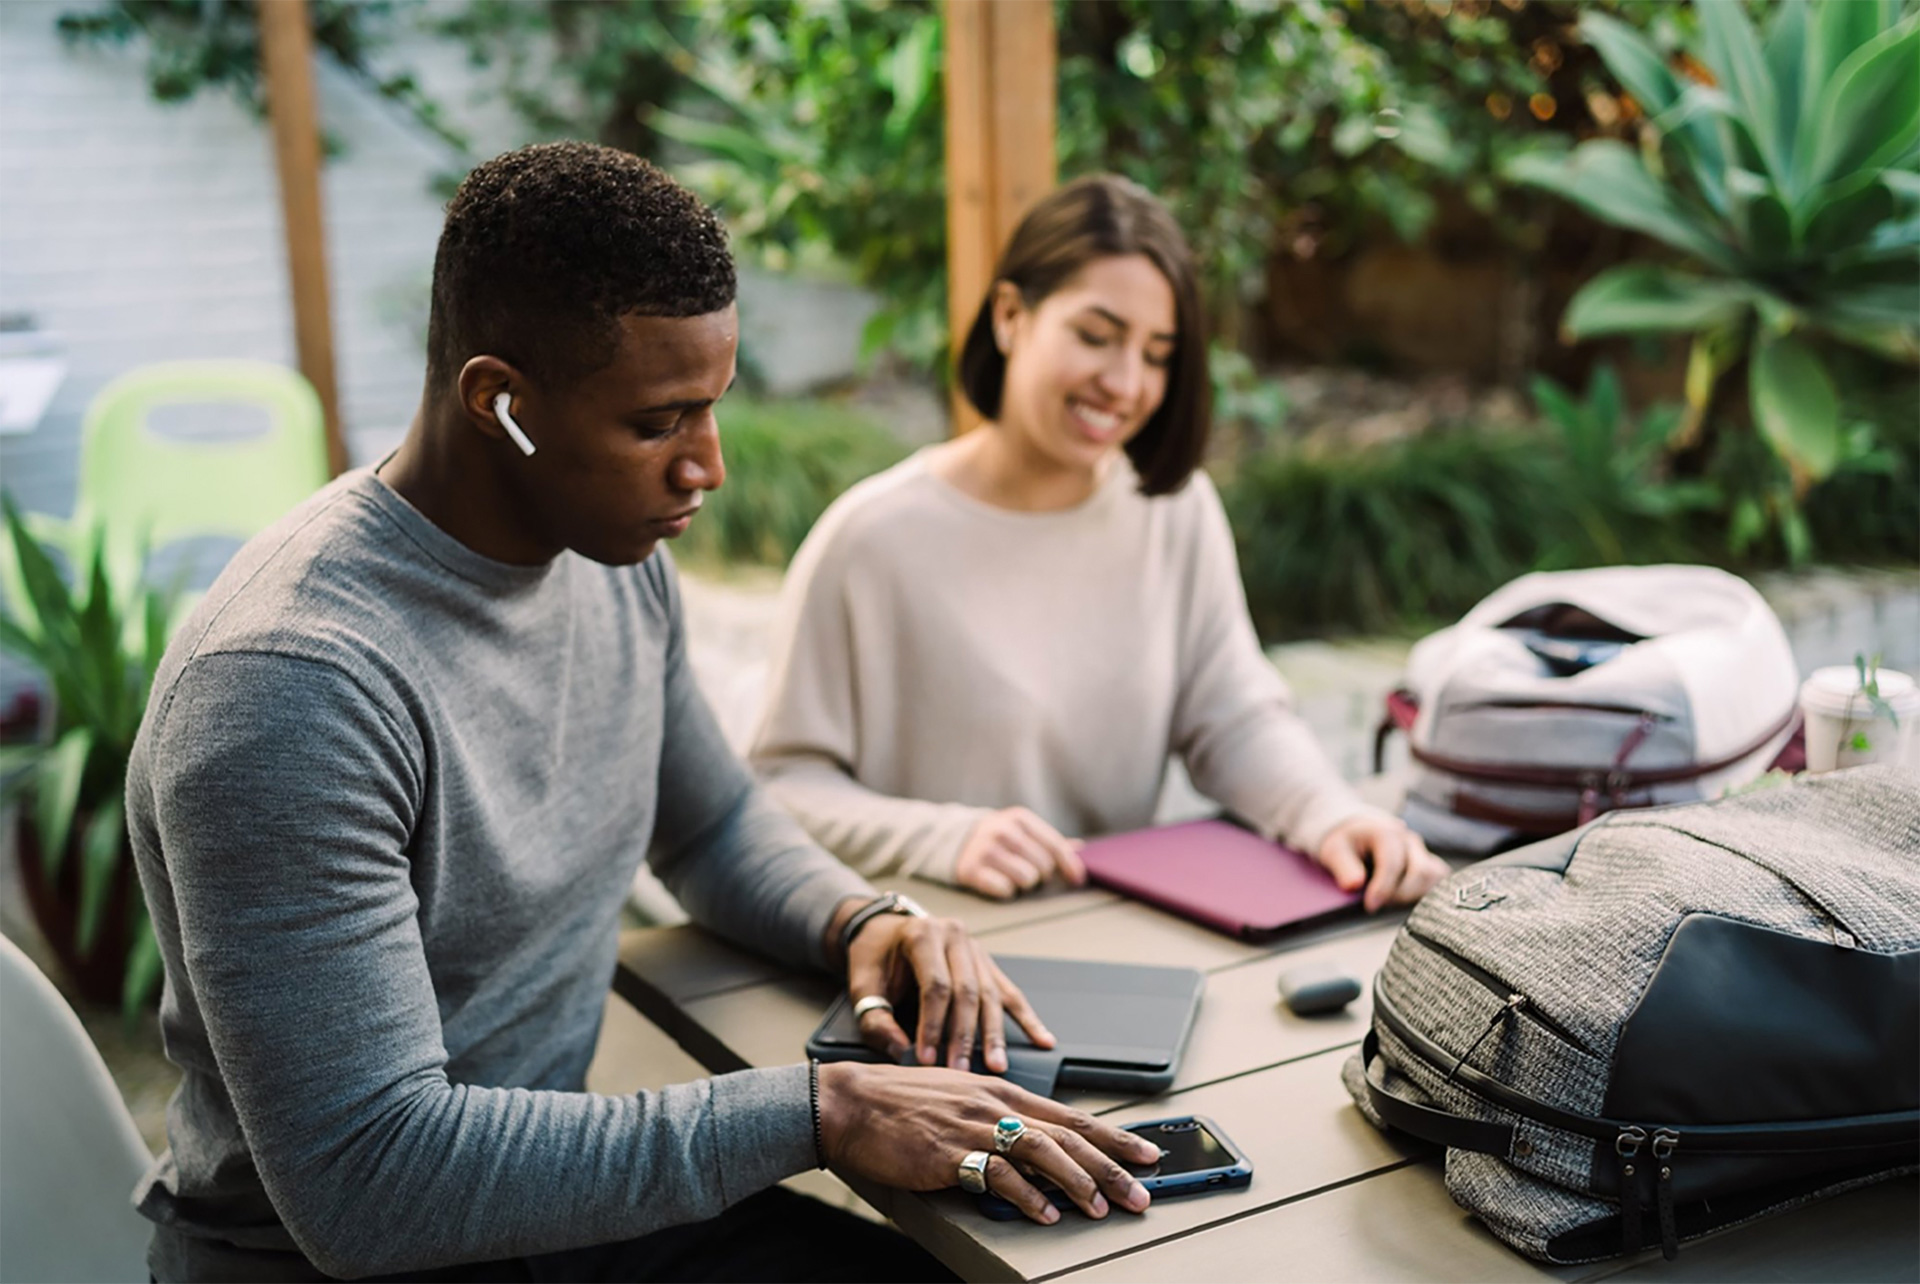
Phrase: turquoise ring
(1007, 1134)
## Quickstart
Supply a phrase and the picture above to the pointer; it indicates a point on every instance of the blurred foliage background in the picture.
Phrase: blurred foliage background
(1684, 237)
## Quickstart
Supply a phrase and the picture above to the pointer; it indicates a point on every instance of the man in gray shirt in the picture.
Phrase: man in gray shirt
(396, 775)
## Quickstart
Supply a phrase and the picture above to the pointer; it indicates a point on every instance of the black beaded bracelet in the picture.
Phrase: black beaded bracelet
(813, 1098)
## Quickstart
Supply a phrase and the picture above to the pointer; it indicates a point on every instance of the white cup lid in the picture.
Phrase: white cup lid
(1836, 690)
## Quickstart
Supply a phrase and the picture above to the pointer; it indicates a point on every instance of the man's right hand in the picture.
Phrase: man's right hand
(1012, 851)
(910, 1127)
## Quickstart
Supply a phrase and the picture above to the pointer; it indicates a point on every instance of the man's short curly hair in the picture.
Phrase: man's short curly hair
(547, 247)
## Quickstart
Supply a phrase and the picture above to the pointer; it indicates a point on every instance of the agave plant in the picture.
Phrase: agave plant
(1786, 169)
(98, 647)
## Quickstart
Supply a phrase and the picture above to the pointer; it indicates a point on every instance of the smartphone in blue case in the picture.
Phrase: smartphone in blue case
(1195, 1156)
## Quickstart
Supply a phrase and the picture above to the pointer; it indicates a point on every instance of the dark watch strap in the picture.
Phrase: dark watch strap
(890, 903)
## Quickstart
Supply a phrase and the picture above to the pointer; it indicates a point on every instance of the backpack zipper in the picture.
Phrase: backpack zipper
(1627, 1145)
(1507, 994)
(1513, 1004)
(1576, 777)
(1624, 710)
(1665, 1142)
(1660, 1147)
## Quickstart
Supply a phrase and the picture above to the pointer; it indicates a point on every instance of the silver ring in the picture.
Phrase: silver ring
(872, 1003)
(1007, 1134)
(973, 1172)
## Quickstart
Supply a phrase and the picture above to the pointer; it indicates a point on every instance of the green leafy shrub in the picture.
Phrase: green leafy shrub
(1391, 537)
(193, 45)
(819, 133)
(1869, 510)
(786, 461)
(817, 125)
(1249, 409)
(1615, 489)
(1412, 533)
(98, 649)
(1791, 184)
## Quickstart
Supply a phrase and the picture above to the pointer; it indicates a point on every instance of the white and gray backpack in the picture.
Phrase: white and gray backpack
(1570, 693)
(1667, 1022)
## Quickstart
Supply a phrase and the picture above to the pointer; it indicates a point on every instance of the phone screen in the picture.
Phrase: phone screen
(1186, 1147)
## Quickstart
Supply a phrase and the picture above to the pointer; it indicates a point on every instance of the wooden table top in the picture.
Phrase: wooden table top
(1332, 1198)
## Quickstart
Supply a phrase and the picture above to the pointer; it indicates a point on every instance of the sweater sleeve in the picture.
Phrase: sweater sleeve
(1234, 724)
(808, 739)
(284, 794)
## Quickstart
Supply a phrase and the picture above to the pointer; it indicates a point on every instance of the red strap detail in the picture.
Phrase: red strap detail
(1402, 708)
(1635, 738)
(1792, 757)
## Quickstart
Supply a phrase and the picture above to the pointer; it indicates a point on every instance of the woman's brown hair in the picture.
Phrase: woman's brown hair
(1096, 217)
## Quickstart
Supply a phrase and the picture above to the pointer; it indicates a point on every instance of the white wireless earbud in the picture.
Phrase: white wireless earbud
(503, 411)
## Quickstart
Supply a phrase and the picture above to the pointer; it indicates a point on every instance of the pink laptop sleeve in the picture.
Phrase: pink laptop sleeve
(1219, 874)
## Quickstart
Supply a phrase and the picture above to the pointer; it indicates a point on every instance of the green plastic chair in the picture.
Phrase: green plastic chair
(139, 490)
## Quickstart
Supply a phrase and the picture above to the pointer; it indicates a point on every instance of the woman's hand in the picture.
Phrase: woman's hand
(910, 1128)
(962, 991)
(1013, 851)
(1403, 869)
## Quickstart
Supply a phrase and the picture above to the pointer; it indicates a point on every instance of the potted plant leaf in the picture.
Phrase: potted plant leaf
(97, 646)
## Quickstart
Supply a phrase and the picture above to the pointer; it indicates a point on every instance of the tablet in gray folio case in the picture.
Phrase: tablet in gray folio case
(1119, 1027)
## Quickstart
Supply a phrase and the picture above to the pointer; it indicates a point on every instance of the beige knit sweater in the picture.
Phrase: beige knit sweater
(938, 658)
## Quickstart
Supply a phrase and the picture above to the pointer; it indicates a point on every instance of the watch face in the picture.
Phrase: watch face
(905, 904)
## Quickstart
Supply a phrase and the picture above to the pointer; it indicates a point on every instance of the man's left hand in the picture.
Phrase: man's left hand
(962, 991)
(1403, 869)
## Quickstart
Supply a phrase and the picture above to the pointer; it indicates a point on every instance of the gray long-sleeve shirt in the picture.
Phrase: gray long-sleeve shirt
(385, 805)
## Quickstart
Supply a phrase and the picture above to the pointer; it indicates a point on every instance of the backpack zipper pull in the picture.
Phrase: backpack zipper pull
(1507, 1010)
(1665, 1142)
(1617, 780)
(1627, 1146)
(1589, 797)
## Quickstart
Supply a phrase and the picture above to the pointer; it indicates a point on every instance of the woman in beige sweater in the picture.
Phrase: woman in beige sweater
(1000, 642)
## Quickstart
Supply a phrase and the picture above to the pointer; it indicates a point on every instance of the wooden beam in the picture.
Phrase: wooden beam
(970, 206)
(1000, 66)
(1023, 92)
(286, 64)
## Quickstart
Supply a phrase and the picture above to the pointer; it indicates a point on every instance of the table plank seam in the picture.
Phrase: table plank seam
(667, 1017)
(735, 987)
(1021, 925)
(1335, 932)
(1241, 1216)
(1227, 1078)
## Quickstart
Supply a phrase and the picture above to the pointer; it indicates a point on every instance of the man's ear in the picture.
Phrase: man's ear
(482, 380)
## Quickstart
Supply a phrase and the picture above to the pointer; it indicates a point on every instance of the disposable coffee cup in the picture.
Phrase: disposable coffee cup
(1846, 729)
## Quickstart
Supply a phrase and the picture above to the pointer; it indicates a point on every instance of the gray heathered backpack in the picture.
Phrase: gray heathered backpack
(1667, 1022)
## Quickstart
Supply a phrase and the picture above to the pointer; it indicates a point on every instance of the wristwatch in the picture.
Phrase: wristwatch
(891, 903)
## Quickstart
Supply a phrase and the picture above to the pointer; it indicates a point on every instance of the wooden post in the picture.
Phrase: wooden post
(286, 64)
(1001, 69)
